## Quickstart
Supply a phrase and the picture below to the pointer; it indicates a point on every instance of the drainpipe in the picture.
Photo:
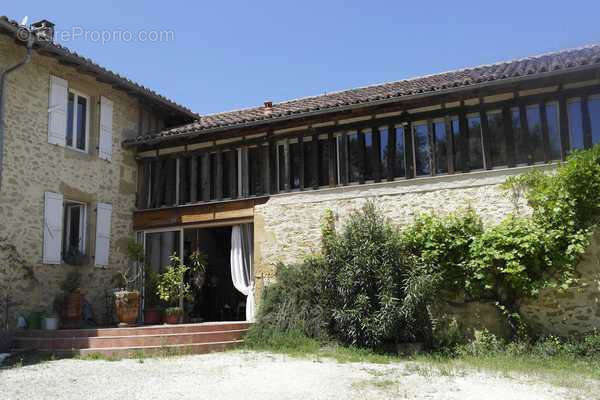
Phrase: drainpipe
(3, 76)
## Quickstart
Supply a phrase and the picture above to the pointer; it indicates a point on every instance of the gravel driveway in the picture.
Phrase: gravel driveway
(249, 375)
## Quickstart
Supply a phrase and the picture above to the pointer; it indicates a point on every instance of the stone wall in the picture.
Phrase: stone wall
(32, 167)
(287, 228)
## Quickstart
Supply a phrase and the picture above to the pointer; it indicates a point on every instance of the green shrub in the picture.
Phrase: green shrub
(442, 244)
(484, 344)
(365, 266)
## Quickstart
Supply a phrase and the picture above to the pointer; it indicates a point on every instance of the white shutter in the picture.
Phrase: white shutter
(53, 221)
(57, 111)
(103, 217)
(106, 128)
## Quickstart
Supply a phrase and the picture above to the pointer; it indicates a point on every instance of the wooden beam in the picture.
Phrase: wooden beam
(545, 135)
(509, 136)
(193, 179)
(376, 157)
(486, 140)
(449, 143)
(586, 123)
(332, 167)
(206, 175)
(391, 152)
(564, 127)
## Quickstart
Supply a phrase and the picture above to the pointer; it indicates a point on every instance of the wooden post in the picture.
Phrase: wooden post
(344, 158)
(509, 136)
(233, 192)
(362, 158)
(245, 173)
(391, 152)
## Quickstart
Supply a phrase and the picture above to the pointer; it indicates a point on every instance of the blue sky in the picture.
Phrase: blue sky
(233, 54)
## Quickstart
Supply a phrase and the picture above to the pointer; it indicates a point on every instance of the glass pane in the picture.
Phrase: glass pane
(383, 150)
(354, 154)
(255, 171)
(441, 147)
(520, 137)
(230, 174)
(281, 166)
(475, 148)
(594, 107)
(213, 168)
(81, 122)
(400, 165)
(296, 164)
(309, 169)
(371, 155)
(159, 247)
(421, 140)
(323, 162)
(553, 130)
(575, 124)
(457, 153)
(536, 143)
(70, 116)
(497, 139)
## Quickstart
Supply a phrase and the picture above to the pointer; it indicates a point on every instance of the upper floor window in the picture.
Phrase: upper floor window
(594, 108)
(497, 138)
(575, 124)
(77, 121)
(552, 116)
(475, 142)
(441, 140)
(421, 149)
(74, 227)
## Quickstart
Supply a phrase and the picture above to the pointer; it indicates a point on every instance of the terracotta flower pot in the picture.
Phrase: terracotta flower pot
(73, 306)
(127, 305)
(152, 316)
(173, 316)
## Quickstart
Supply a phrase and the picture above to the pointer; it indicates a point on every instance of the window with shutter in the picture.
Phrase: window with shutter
(57, 111)
(103, 223)
(53, 220)
(106, 128)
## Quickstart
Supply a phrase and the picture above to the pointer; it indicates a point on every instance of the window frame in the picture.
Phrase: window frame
(77, 94)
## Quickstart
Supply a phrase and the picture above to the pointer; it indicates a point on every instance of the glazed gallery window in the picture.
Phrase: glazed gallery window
(594, 108)
(421, 149)
(475, 142)
(399, 157)
(536, 141)
(497, 138)
(77, 121)
(552, 117)
(441, 139)
(575, 124)
(74, 227)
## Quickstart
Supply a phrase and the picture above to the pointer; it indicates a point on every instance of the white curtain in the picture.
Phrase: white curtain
(242, 273)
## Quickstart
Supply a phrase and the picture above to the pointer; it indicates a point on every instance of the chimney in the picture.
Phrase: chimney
(43, 30)
(268, 108)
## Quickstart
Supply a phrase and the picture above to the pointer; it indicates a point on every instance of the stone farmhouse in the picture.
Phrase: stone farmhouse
(90, 159)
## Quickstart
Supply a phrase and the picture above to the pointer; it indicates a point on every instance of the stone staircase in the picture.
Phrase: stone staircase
(155, 339)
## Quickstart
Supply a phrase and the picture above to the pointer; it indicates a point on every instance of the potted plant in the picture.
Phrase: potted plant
(173, 288)
(70, 302)
(127, 298)
(152, 309)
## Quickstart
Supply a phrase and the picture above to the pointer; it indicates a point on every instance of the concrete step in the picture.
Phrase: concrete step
(133, 331)
(129, 341)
